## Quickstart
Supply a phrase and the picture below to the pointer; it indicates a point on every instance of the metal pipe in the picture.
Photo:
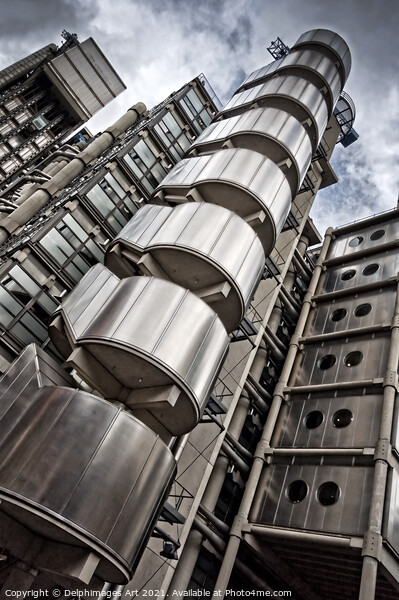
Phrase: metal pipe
(220, 525)
(40, 197)
(276, 340)
(349, 291)
(298, 267)
(305, 266)
(329, 387)
(290, 305)
(179, 446)
(236, 459)
(8, 203)
(344, 333)
(318, 451)
(278, 355)
(370, 560)
(259, 388)
(257, 465)
(239, 447)
(257, 399)
(301, 536)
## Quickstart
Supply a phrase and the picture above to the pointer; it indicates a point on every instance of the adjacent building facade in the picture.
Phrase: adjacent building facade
(220, 392)
(46, 96)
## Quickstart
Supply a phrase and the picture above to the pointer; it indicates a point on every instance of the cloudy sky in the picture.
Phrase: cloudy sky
(158, 45)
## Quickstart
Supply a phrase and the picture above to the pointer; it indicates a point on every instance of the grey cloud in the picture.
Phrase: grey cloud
(158, 45)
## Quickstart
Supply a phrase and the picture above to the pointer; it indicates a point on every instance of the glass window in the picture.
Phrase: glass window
(112, 202)
(196, 102)
(145, 165)
(69, 245)
(9, 308)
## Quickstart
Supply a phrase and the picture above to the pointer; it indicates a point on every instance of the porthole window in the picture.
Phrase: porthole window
(356, 241)
(377, 235)
(314, 419)
(348, 274)
(342, 418)
(339, 314)
(327, 361)
(362, 310)
(328, 493)
(353, 359)
(371, 269)
(297, 491)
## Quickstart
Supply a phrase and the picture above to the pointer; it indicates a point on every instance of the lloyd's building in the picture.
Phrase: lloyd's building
(212, 406)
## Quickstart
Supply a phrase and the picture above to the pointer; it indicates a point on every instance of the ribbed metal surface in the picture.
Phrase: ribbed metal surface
(364, 310)
(270, 131)
(22, 67)
(391, 511)
(241, 180)
(330, 42)
(293, 94)
(318, 421)
(369, 269)
(193, 245)
(79, 471)
(348, 515)
(367, 238)
(308, 64)
(85, 78)
(312, 366)
(146, 333)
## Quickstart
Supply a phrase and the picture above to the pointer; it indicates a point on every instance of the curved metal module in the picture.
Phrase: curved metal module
(291, 93)
(331, 44)
(143, 341)
(80, 476)
(269, 131)
(310, 64)
(191, 246)
(241, 180)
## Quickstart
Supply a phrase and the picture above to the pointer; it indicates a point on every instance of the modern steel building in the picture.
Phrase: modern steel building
(45, 96)
(207, 394)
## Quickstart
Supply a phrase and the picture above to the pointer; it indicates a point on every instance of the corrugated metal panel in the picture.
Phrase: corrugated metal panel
(85, 78)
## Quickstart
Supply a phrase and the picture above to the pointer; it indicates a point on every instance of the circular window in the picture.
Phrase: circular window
(297, 491)
(314, 419)
(327, 361)
(342, 418)
(371, 269)
(328, 493)
(362, 310)
(356, 241)
(339, 314)
(353, 358)
(348, 274)
(377, 235)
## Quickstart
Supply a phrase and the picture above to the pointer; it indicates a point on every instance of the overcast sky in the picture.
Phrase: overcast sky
(158, 45)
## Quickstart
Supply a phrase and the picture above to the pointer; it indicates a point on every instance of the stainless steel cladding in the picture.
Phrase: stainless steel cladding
(241, 180)
(270, 131)
(80, 472)
(363, 310)
(191, 245)
(85, 78)
(311, 65)
(332, 44)
(319, 498)
(365, 270)
(144, 341)
(365, 239)
(343, 360)
(340, 419)
(390, 529)
(291, 93)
